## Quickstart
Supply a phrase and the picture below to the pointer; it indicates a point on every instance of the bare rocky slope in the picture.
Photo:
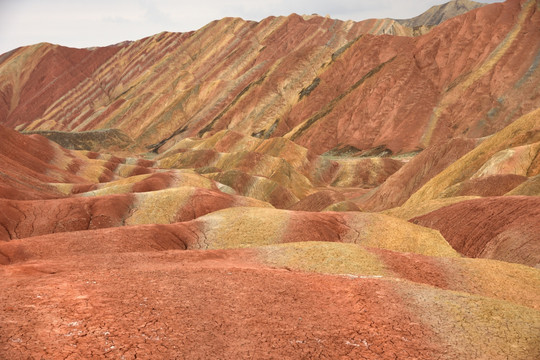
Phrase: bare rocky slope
(319, 82)
(440, 13)
(301, 187)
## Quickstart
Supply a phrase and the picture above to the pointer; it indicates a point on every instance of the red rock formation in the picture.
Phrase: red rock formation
(503, 228)
(137, 253)
(48, 71)
(318, 201)
(315, 81)
(414, 174)
(208, 300)
(235, 321)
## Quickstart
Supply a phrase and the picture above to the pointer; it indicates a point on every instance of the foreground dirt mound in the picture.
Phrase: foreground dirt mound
(243, 303)
(236, 228)
(20, 219)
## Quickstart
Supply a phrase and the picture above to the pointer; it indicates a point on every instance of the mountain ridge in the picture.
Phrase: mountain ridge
(381, 22)
(440, 13)
(251, 72)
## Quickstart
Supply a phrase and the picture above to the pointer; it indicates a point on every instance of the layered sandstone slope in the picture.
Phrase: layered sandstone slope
(414, 174)
(408, 93)
(33, 78)
(32, 166)
(512, 152)
(473, 200)
(88, 140)
(98, 190)
(237, 230)
(134, 83)
(314, 80)
(507, 163)
(47, 189)
(277, 170)
(504, 228)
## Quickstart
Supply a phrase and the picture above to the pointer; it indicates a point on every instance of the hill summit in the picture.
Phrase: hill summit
(440, 13)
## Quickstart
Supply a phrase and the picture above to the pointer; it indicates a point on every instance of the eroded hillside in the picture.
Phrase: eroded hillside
(301, 187)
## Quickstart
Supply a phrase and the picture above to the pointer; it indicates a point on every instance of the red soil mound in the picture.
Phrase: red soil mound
(227, 304)
(318, 201)
(503, 228)
(22, 219)
(211, 306)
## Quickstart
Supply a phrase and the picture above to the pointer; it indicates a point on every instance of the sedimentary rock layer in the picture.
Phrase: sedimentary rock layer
(503, 228)
(320, 82)
(224, 203)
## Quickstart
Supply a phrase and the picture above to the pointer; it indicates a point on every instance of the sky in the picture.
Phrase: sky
(87, 23)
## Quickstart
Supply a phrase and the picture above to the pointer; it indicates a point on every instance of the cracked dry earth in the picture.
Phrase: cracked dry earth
(195, 305)
(226, 304)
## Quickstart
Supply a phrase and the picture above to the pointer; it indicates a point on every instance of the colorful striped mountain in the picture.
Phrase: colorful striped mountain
(295, 188)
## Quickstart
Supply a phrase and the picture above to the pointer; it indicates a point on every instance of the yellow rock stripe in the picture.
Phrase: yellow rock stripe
(457, 91)
(323, 257)
(159, 207)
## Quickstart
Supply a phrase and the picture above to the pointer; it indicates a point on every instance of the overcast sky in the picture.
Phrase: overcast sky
(86, 23)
